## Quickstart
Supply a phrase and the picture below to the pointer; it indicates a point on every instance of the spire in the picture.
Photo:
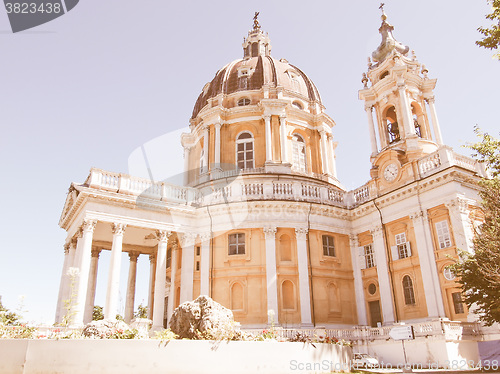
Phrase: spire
(389, 43)
(257, 43)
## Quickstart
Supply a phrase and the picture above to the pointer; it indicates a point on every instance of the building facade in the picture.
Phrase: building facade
(262, 222)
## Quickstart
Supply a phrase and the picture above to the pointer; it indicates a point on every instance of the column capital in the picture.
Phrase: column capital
(205, 236)
(163, 235)
(186, 239)
(118, 228)
(267, 117)
(369, 108)
(301, 233)
(218, 124)
(458, 204)
(133, 256)
(88, 225)
(66, 248)
(152, 258)
(282, 117)
(376, 231)
(270, 232)
(353, 240)
(430, 100)
(96, 252)
(418, 214)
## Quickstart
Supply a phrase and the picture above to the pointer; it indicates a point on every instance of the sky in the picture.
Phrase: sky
(91, 87)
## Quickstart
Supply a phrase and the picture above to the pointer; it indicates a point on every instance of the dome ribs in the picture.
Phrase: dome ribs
(273, 70)
(311, 88)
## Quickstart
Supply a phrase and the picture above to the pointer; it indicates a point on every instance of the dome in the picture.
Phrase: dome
(256, 70)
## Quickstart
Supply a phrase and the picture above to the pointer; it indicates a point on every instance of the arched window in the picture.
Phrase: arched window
(285, 248)
(392, 125)
(244, 151)
(202, 161)
(288, 295)
(418, 129)
(408, 290)
(237, 294)
(243, 101)
(297, 105)
(299, 153)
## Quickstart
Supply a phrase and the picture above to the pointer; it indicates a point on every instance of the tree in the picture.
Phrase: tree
(7, 317)
(479, 272)
(491, 39)
(142, 312)
(97, 314)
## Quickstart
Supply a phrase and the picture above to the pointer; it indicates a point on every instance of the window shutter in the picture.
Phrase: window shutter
(361, 258)
(408, 249)
(395, 253)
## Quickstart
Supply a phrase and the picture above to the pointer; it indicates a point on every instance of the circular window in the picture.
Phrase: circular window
(243, 102)
(372, 289)
(449, 274)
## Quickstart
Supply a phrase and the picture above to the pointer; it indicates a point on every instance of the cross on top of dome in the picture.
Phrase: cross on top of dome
(257, 43)
(389, 43)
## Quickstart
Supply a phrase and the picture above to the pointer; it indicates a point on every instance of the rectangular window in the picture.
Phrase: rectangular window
(369, 256)
(328, 246)
(197, 265)
(236, 244)
(197, 251)
(402, 246)
(457, 302)
(443, 234)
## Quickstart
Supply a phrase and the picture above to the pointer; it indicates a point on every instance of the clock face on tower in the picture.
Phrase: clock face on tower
(391, 172)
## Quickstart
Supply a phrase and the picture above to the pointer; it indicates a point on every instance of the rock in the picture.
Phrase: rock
(104, 329)
(203, 318)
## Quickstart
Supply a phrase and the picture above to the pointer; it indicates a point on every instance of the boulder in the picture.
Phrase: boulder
(203, 318)
(104, 329)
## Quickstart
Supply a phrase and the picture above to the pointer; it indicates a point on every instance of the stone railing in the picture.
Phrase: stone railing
(448, 329)
(443, 158)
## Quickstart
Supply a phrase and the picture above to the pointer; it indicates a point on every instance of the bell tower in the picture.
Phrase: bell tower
(396, 91)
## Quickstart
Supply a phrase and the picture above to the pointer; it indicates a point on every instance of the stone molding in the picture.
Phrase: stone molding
(376, 231)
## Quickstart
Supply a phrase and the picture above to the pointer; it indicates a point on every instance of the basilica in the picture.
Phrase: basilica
(262, 222)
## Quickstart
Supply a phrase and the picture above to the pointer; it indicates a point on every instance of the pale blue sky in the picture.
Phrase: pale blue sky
(90, 87)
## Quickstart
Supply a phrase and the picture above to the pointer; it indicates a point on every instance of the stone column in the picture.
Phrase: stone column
(89, 305)
(284, 143)
(383, 276)
(461, 226)
(205, 148)
(160, 280)
(111, 303)
(152, 271)
(304, 287)
(324, 156)
(371, 130)
(358, 280)
(405, 110)
(427, 260)
(435, 122)
(217, 144)
(332, 158)
(63, 285)
(130, 299)
(173, 271)
(187, 267)
(267, 123)
(186, 165)
(69, 288)
(205, 265)
(83, 261)
(271, 277)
